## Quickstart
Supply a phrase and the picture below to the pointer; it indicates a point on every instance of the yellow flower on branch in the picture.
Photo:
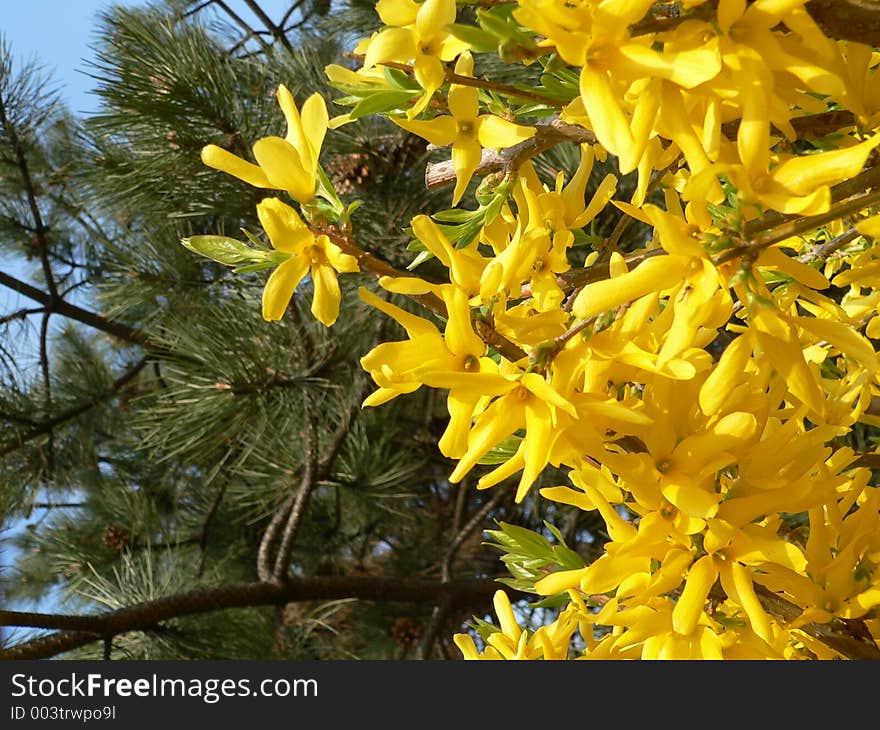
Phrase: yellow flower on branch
(415, 32)
(513, 642)
(467, 130)
(309, 254)
(289, 163)
(403, 367)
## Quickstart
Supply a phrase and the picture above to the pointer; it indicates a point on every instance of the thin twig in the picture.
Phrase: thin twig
(824, 250)
(206, 523)
(307, 483)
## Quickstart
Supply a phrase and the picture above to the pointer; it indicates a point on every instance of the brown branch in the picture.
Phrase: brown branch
(79, 631)
(40, 229)
(23, 313)
(242, 23)
(548, 133)
(47, 390)
(659, 19)
(799, 225)
(276, 31)
(307, 483)
(851, 20)
(849, 637)
(270, 537)
(206, 524)
(822, 251)
(66, 309)
(454, 78)
(857, 185)
(870, 461)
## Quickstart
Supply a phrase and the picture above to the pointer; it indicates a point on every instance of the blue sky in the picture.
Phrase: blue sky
(59, 33)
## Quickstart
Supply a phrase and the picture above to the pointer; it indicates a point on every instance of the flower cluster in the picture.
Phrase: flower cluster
(700, 391)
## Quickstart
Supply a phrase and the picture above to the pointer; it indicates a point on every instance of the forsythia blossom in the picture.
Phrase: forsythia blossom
(697, 381)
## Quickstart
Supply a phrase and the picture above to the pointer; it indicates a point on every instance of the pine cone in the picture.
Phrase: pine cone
(116, 537)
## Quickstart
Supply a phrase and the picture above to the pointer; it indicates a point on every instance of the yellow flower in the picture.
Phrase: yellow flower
(290, 163)
(417, 33)
(522, 401)
(403, 367)
(317, 256)
(467, 130)
(550, 642)
(594, 37)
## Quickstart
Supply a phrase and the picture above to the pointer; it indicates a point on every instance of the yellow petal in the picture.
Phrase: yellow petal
(843, 337)
(342, 262)
(459, 334)
(727, 374)
(606, 117)
(397, 12)
(281, 285)
(685, 68)
(560, 581)
(453, 442)
(869, 226)
(314, 123)
(801, 175)
(284, 169)
(220, 159)
(390, 44)
(774, 258)
(788, 360)
(737, 583)
(466, 157)
(326, 297)
(413, 324)
(504, 612)
(689, 606)
(431, 74)
(692, 500)
(652, 275)
(433, 15)
(495, 132)
(440, 131)
(285, 228)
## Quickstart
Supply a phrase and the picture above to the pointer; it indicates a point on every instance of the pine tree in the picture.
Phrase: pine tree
(209, 477)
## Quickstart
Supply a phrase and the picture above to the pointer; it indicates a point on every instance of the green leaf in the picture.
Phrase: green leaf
(401, 79)
(502, 452)
(254, 267)
(222, 249)
(479, 40)
(382, 101)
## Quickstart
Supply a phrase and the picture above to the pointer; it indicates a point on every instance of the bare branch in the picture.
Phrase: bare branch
(66, 309)
(79, 631)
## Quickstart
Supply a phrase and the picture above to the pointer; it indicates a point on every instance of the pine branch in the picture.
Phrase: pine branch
(77, 631)
(66, 309)
(45, 427)
(40, 229)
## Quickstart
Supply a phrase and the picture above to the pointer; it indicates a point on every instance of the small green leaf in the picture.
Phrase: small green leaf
(254, 267)
(382, 101)
(222, 249)
(479, 40)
